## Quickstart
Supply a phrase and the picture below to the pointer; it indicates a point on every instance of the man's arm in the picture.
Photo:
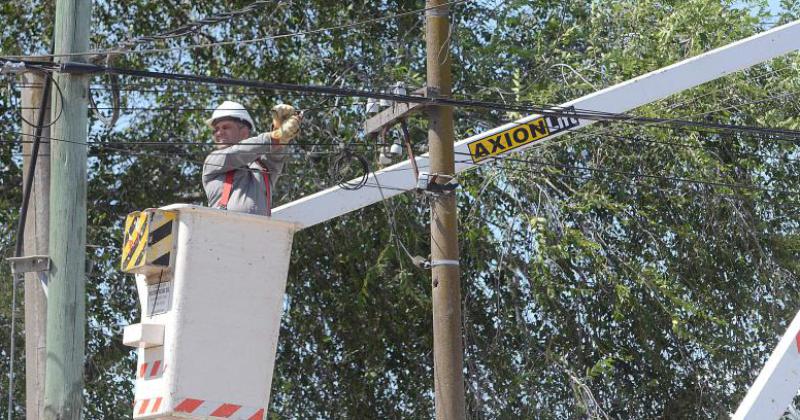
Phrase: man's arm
(239, 155)
(247, 151)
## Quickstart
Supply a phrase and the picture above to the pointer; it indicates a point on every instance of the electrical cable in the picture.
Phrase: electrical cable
(760, 130)
(115, 102)
(110, 145)
(194, 26)
(47, 89)
(635, 175)
(391, 216)
(170, 143)
(239, 42)
(340, 170)
(327, 90)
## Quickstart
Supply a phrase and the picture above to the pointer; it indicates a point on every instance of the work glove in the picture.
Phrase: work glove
(288, 129)
(280, 113)
(285, 123)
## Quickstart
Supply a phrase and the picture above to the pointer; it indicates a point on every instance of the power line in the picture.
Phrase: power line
(635, 175)
(194, 27)
(328, 90)
(240, 42)
(175, 143)
(775, 134)
(631, 175)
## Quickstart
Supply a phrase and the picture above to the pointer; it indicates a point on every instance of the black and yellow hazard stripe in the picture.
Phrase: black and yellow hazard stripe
(136, 229)
(160, 239)
(148, 240)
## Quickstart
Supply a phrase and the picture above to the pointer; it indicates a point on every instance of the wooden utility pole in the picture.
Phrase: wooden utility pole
(448, 357)
(66, 306)
(36, 240)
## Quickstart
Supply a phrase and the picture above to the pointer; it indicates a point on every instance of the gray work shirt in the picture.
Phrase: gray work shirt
(247, 159)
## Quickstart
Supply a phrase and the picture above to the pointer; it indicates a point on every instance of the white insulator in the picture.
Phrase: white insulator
(372, 106)
(399, 88)
(395, 150)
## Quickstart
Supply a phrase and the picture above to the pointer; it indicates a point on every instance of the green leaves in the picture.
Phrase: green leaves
(630, 289)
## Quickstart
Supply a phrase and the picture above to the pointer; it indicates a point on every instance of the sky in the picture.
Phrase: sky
(774, 5)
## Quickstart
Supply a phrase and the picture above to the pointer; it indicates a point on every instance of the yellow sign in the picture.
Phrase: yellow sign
(135, 240)
(520, 135)
(148, 240)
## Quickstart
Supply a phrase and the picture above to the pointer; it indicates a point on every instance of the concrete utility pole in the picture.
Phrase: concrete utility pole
(66, 308)
(448, 357)
(36, 240)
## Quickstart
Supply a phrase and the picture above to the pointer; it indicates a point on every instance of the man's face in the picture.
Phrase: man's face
(228, 131)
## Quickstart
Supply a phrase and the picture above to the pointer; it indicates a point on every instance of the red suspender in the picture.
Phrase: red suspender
(265, 172)
(226, 190)
(228, 186)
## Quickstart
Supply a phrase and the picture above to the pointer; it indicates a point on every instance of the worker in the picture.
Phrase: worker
(241, 173)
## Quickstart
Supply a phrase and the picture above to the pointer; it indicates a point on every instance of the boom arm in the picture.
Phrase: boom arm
(535, 129)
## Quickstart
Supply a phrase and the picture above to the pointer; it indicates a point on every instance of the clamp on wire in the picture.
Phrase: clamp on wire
(426, 264)
(431, 184)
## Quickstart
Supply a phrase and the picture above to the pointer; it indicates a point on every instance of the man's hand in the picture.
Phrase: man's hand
(280, 113)
(287, 131)
(285, 123)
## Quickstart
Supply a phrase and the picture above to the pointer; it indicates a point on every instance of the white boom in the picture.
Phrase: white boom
(778, 382)
(509, 138)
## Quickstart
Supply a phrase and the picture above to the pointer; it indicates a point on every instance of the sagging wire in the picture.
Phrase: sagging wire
(48, 81)
(390, 215)
(409, 148)
(194, 26)
(554, 111)
(116, 101)
(342, 167)
(240, 42)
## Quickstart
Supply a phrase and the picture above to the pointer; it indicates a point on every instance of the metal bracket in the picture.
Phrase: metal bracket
(427, 183)
(10, 67)
(29, 264)
(79, 68)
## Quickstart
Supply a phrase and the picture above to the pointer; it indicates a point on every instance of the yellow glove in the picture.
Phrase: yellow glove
(288, 130)
(280, 113)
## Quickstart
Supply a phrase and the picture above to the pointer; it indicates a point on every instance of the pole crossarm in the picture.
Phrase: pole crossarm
(535, 130)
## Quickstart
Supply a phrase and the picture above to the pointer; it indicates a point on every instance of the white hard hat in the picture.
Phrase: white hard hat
(230, 109)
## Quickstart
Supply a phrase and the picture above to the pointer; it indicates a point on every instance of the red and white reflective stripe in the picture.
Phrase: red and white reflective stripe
(151, 370)
(219, 409)
(147, 406)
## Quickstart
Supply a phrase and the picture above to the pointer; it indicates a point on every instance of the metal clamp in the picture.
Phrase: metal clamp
(427, 183)
(428, 264)
(451, 263)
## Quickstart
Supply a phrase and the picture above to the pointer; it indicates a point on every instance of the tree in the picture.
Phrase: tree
(628, 290)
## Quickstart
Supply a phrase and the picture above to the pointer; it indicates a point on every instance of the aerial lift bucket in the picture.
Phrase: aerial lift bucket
(211, 287)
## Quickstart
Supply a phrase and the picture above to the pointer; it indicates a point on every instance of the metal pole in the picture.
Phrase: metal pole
(36, 235)
(66, 306)
(448, 358)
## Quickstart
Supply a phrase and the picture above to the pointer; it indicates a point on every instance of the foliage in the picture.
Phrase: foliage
(629, 290)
